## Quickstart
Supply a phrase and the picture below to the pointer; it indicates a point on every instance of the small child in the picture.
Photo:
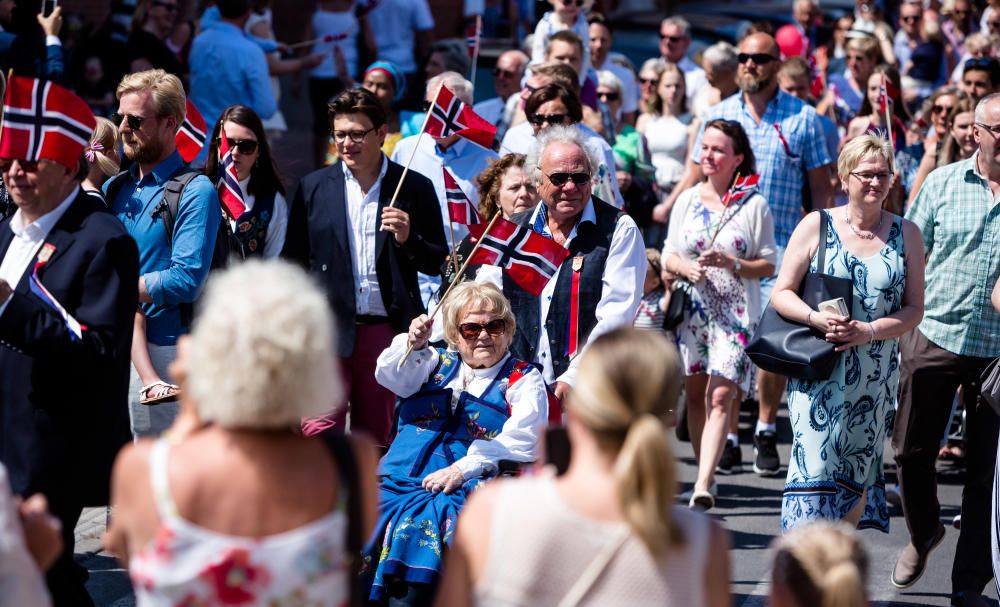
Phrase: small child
(568, 15)
(653, 305)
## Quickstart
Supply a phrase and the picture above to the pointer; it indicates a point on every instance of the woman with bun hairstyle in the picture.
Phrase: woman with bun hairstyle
(819, 565)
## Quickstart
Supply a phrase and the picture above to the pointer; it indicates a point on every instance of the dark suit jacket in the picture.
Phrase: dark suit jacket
(63, 401)
(317, 239)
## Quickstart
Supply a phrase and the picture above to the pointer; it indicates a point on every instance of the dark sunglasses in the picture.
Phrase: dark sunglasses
(939, 109)
(499, 73)
(167, 6)
(980, 62)
(560, 179)
(647, 81)
(993, 24)
(758, 58)
(243, 146)
(612, 96)
(573, 2)
(28, 166)
(671, 38)
(540, 119)
(134, 122)
(472, 330)
(910, 18)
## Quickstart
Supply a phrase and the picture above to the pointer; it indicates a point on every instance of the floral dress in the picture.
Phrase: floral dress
(724, 308)
(839, 425)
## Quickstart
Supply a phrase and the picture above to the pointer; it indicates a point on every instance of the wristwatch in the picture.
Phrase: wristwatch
(736, 266)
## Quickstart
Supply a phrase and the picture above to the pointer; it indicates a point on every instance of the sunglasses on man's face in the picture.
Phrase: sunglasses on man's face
(757, 58)
(560, 179)
(245, 147)
(674, 39)
(940, 109)
(573, 2)
(472, 330)
(608, 97)
(134, 122)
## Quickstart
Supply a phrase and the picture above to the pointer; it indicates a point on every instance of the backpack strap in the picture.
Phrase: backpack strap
(342, 451)
(170, 204)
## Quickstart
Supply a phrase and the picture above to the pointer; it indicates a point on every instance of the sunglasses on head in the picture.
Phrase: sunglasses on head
(243, 146)
(560, 179)
(540, 119)
(134, 122)
(609, 96)
(758, 58)
(472, 330)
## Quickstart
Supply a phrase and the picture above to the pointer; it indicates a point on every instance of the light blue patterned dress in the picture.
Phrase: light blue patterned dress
(839, 425)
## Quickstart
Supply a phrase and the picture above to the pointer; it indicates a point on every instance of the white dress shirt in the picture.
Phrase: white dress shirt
(694, 78)
(362, 215)
(621, 292)
(274, 240)
(26, 242)
(529, 405)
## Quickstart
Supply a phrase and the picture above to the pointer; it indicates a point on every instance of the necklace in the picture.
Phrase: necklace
(864, 236)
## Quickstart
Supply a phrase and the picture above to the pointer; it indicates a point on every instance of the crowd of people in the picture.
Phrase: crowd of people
(186, 338)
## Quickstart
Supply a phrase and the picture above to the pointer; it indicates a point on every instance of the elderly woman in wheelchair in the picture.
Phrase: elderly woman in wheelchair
(461, 412)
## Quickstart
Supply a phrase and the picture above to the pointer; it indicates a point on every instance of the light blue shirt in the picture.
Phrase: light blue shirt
(227, 68)
(211, 16)
(782, 169)
(173, 274)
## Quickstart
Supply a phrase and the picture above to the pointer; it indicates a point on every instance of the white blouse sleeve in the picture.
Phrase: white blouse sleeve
(674, 242)
(519, 437)
(21, 582)
(275, 239)
(406, 380)
(761, 232)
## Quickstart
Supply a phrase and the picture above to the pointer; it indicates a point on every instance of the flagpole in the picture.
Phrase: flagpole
(455, 281)
(454, 249)
(475, 53)
(888, 116)
(413, 152)
(718, 228)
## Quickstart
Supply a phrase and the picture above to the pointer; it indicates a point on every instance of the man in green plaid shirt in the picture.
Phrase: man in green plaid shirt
(958, 213)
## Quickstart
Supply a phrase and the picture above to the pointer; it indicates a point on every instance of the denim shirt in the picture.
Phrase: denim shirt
(173, 275)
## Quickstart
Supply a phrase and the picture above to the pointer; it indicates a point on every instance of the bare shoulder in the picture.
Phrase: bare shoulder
(132, 462)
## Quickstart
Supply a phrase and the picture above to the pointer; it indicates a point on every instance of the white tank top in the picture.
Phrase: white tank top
(190, 565)
(335, 25)
(667, 139)
(540, 550)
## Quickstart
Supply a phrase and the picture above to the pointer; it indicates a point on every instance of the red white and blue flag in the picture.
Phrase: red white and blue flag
(740, 189)
(230, 194)
(191, 136)
(460, 208)
(43, 120)
(529, 258)
(816, 84)
(35, 285)
(472, 36)
(449, 116)
(887, 94)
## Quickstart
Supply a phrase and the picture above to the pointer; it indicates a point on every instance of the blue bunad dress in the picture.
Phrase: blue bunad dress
(432, 434)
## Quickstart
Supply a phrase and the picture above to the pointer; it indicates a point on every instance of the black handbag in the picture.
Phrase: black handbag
(796, 350)
(989, 387)
(680, 296)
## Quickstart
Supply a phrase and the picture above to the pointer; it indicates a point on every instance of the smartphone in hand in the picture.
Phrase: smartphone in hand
(48, 6)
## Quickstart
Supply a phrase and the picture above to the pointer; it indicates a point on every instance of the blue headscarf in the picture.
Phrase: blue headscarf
(394, 72)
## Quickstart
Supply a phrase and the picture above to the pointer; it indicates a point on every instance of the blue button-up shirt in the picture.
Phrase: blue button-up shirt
(782, 168)
(173, 274)
(228, 68)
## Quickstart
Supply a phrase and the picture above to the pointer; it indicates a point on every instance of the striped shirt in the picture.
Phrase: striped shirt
(787, 142)
(960, 222)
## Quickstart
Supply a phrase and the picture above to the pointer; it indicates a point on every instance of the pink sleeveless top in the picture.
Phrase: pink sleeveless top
(188, 565)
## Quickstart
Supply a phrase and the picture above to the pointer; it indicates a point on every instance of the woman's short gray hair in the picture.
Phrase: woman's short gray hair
(559, 134)
(473, 294)
(607, 78)
(721, 56)
(262, 348)
(858, 149)
(455, 83)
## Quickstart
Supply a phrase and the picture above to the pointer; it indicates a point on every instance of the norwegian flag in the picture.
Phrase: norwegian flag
(816, 84)
(43, 120)
(472, 35)
(740, 189)
(460, 208)
(529, 258)
(230, 194)
(842, 109)
(887, 93)
(35, 286)
(191, 136)
(449, 116)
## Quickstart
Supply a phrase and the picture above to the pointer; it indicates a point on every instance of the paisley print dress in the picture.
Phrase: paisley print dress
(840, 425)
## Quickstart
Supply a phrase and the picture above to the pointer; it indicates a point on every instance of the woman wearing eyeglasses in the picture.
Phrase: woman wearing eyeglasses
(461, 412)
(721, 246)
(839, 425)
(260, 230)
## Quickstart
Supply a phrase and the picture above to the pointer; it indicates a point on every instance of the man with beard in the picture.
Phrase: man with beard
(787, 139)
(151, 107)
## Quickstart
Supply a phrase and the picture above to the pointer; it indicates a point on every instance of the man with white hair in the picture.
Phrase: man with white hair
(720, 63)
(464, 159)
(675, 39)
(599, 285)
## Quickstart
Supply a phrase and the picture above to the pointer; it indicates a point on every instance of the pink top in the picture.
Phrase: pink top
(187, 566)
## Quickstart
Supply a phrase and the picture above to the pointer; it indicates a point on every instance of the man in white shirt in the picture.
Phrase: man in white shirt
(465, 161)
(600, 48)
(507, 75)
(675, 39)
(404, 31)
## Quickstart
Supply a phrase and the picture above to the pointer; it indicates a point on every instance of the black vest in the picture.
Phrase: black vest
(251, 228)
(588, 255)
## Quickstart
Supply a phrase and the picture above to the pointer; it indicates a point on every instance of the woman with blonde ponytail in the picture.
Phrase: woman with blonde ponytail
(102, 157)
(605, 532)
(819, 565)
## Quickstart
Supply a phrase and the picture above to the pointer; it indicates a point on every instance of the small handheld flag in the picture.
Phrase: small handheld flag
(35, 285)
(230, 194)
(449, 116)
(460, 208)
(742, 186)
(191, 136)
(529, 258)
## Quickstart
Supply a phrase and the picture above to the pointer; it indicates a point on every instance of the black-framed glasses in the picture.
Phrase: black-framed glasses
(472, 330)
(168, 6)
(134, 122)
(28, 166)
(243, 146)
(994, 129)
(608, 96)
(540, 119)
(869, 177)
(355, 136)
(758, 58)
(560, 179)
